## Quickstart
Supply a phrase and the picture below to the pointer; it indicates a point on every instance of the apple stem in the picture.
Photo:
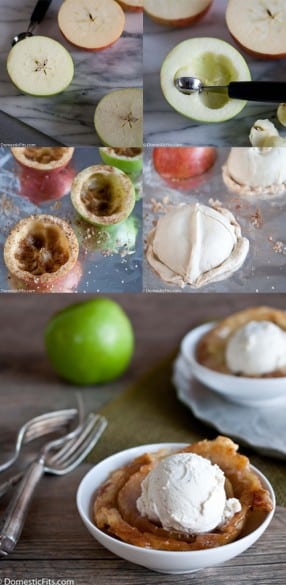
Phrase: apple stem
(129, 119)
(92, 18)
(269, 13)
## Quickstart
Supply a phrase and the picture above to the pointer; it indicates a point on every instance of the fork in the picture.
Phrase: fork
(38, 427)
(57, 457)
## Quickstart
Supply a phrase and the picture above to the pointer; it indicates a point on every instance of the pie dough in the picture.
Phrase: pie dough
(256, 171)
(196, 245)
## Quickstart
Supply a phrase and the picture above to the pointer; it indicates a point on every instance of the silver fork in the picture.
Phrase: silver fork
(38, 427)
(58, 457)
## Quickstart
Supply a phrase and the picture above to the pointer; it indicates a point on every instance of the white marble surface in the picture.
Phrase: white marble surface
(165, 126)
(68, 117)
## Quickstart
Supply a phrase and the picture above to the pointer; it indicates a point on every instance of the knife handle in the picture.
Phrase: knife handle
(258, 91)
(39, 11)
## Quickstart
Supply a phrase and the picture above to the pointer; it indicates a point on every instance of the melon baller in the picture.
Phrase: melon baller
(257, 91)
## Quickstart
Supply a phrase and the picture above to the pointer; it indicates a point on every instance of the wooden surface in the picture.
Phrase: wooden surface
(55, 544)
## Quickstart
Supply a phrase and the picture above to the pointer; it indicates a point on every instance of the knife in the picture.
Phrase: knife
(15, 132)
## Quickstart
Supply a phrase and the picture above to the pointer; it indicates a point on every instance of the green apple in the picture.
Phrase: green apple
(129, 160)
(40, 66)
(214, 62)
(103, 195)
(118, 118)
(90, 343)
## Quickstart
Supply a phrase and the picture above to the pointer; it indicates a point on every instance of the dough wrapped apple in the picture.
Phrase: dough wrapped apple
(196, 245)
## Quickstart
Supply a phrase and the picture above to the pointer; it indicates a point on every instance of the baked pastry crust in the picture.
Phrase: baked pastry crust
(115, 511)
(211, 349)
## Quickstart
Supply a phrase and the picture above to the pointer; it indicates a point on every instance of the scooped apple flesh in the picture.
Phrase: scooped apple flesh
(214, 62)
(40, 66)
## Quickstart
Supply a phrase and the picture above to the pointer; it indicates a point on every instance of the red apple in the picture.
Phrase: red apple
(131, 5)
(39, 188)
(258, 27)
(183, 162)
(181, 13)
(93, 24)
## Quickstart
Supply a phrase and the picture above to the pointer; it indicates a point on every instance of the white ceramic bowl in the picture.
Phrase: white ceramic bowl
(242, 390)
(156, 560)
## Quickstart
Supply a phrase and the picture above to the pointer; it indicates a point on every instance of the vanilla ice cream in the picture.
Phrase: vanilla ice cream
(196, 244)
(257, 169)
(257, 348)
(185, 492)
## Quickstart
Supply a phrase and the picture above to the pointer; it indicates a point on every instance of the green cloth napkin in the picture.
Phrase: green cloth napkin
(149, 412)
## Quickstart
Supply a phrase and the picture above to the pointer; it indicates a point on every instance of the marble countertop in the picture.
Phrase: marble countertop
(68, 117)
(162, 125)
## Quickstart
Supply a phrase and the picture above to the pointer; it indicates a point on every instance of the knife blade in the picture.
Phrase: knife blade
(16, 132)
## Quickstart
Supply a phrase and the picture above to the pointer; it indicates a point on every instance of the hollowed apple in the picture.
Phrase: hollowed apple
(93, 24)
(131, 5)
(258, 26)
(43, 159)
(40, 66)
(181, 13)
(128, 160)
(214, 62)
(180, 163)
(40, 251)
(118, 118)
(103, 195)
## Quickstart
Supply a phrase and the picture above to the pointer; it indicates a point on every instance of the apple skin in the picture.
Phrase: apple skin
(180, 22)
(39, 187)
(255, 54)
(130, 8)
(65, 284)
(180, 163)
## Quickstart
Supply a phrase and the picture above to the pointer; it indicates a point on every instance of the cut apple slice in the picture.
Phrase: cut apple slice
(103, 195)
(182, 13)
(214, 62)
(258, 26)
(131, 5)
(40, 66)
(40, 250)
(93, 24)
(118, 118)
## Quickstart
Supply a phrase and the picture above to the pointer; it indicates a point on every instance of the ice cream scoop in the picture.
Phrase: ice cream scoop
(257, 167)
(186, 492)
(196, 244)
(257, 348)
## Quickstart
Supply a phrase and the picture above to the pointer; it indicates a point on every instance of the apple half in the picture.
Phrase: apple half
(181, 13)
(258, 26)
(118, 118)
(131, 5)
(128, 160)
(180, 163)
(93, 24)
(214, 62)
(40, 250)
(40, 66)
(103, 195)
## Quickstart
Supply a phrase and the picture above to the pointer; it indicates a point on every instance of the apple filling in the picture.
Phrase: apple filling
(128, 152)
(43, 154)
(101, 195)
(43, 250)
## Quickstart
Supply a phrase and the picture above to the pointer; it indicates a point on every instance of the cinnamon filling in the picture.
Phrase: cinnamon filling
(101, 196)
(44, 250)
(128, 152)
(43, 154)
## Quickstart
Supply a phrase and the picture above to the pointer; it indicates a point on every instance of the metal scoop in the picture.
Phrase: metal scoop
(37, 17)
(256, 91)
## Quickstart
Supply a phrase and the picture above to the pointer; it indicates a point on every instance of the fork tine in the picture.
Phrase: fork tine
(45, 422)
(84, 446)
(71, 445)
